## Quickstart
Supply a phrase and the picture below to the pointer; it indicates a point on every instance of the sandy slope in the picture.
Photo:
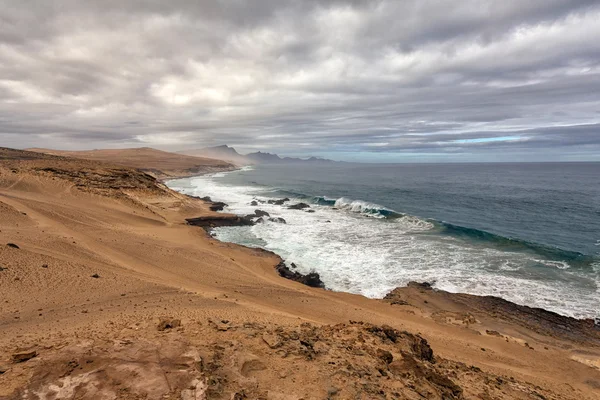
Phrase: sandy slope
(161, 164)
(104, 252)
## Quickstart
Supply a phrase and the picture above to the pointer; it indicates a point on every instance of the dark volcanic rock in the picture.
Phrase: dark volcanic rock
(313, 279)
(261, 213)
(299, 206)
(14, 246)
(278, 220)
(278, 202)
(206, 198)
(537, 319)
(420, 285)
(217, 206)
(254, 203)
(208, 222)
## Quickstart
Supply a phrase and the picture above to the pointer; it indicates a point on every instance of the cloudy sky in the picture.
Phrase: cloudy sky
(413, 80)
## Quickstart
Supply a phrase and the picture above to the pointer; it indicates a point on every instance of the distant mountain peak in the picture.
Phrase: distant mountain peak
(228, 153)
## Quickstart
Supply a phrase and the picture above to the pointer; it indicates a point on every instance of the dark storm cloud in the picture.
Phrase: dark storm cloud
(297, 77)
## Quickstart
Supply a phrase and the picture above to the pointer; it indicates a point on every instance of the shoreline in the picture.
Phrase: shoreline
(313, 279)
(110, 293)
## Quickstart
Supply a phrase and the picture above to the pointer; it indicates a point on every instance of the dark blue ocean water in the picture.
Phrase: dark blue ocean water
(526, 232)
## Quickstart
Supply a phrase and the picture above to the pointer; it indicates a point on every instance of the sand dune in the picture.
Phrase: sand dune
(159, 163)
(101, 254)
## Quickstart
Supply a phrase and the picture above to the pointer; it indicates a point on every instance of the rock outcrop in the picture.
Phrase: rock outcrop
(313, 279)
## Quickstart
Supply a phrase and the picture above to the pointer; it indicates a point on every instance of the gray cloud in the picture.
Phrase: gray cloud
(374, 79)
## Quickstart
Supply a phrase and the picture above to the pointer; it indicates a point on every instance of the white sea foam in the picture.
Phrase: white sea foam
(368, 256)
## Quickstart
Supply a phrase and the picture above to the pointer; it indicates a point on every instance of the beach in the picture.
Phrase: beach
(108, 292)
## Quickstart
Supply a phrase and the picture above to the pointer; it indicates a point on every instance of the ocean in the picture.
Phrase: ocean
(529, 233)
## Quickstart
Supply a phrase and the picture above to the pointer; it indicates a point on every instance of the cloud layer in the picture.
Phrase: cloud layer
(368, 80)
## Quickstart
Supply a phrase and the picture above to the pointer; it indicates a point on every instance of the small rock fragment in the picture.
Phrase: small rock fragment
(493, 333)
(272, 340)
(23, 356)
(14, 246)
(168, 323)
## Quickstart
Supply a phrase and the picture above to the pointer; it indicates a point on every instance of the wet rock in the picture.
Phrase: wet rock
(168, 323)
(279, 202)
(254, 203)
(23, 356)
(209, 222)
(206, 198)
(261, 213)
(14, 246)
(299, 206)
(313, 279)
(310, 211)
(420, 285)
(278, 220)
(217, 206)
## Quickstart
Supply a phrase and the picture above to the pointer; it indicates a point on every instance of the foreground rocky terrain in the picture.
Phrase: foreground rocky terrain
(109, 293)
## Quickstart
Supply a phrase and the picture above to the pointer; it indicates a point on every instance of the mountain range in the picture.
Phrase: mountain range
(227, 153)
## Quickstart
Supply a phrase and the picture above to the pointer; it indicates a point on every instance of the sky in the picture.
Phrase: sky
(374, 81)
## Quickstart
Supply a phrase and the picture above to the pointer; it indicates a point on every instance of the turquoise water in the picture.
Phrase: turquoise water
(529, 233)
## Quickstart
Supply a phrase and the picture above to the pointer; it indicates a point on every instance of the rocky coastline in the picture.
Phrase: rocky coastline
(537, 319)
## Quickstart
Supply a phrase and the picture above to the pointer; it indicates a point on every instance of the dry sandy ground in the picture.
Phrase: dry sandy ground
(104, 253)
(159, 163)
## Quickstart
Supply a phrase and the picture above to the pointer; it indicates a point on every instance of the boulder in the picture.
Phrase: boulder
(279, 202)
(261, 213)
(420, 285)
(298, 206)
(278, 220)
(313, 279)
(217, 206)
(385, 356)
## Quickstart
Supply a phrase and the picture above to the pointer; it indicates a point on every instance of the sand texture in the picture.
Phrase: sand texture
(108, 293)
